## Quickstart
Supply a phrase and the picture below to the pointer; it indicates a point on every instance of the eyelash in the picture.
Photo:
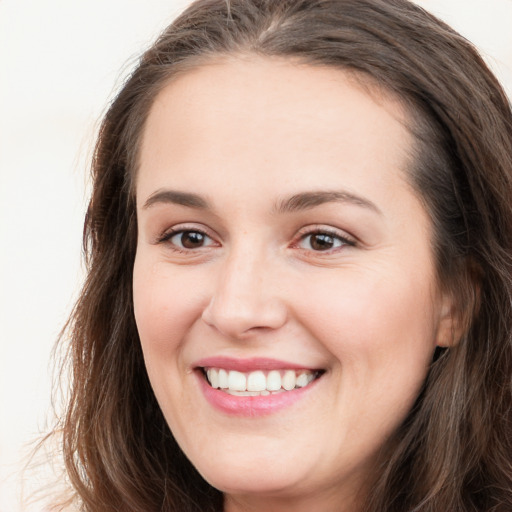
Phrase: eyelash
(305, 234)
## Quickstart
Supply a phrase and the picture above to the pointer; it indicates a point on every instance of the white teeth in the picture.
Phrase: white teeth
(257, 383)
(223, 379)
(273, 380)
(245, 393)
(237, 381)
(213, 377)
(303, 379)
(289, 379)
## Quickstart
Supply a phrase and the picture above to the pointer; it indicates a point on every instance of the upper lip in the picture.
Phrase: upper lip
(249, 364)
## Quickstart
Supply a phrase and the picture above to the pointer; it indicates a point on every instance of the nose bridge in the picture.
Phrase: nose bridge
(245, 296)
(243, 272)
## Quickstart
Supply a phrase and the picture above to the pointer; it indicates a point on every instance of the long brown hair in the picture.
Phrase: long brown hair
(454, 451)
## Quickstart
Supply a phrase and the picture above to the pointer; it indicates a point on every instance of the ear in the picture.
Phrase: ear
(452, 325)
(459, 307)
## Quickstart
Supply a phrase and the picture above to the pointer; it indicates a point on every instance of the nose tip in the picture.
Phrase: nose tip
(238, 320)
(245, 304)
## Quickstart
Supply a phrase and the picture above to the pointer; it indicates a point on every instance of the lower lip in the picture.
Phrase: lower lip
(251, 405)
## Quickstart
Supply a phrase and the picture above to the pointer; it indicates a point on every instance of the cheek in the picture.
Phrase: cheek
(381, 328)
(166, 304)
(370, 307)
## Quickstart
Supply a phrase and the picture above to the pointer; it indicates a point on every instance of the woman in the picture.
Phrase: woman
(300, 251)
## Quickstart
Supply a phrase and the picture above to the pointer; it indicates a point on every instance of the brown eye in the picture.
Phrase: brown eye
(323, 241)
(190, 239)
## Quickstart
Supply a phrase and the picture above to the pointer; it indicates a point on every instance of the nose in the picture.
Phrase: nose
(246, 298)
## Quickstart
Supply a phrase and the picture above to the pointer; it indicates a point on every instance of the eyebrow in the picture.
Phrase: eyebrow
(176, 197)
(307, 200)
(294, 203)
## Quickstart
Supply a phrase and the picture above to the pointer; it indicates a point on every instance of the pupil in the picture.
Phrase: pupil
(322, 242)
(192, 239)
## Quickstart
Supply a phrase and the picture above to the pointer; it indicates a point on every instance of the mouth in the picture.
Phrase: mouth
(259, 382)
(256, 386)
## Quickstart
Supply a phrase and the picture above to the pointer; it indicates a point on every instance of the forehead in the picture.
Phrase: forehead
(252, 115)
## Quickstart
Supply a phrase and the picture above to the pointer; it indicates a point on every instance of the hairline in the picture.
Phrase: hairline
(409, 115)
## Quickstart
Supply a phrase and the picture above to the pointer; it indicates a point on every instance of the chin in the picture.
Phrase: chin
(255, 482)
(260, 477)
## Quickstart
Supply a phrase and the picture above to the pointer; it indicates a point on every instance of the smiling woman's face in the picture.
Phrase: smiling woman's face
(282, 252)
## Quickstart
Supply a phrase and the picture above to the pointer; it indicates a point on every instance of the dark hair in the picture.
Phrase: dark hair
(454, 451)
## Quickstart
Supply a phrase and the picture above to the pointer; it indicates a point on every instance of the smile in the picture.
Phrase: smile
(259, 382)
(255, 386)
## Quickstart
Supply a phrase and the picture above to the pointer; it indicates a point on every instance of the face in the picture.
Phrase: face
(284, 283)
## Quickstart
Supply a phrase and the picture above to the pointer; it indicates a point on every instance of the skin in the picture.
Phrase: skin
(245, 134)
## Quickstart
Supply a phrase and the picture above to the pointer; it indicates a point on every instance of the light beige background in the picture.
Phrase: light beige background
(60, 62)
